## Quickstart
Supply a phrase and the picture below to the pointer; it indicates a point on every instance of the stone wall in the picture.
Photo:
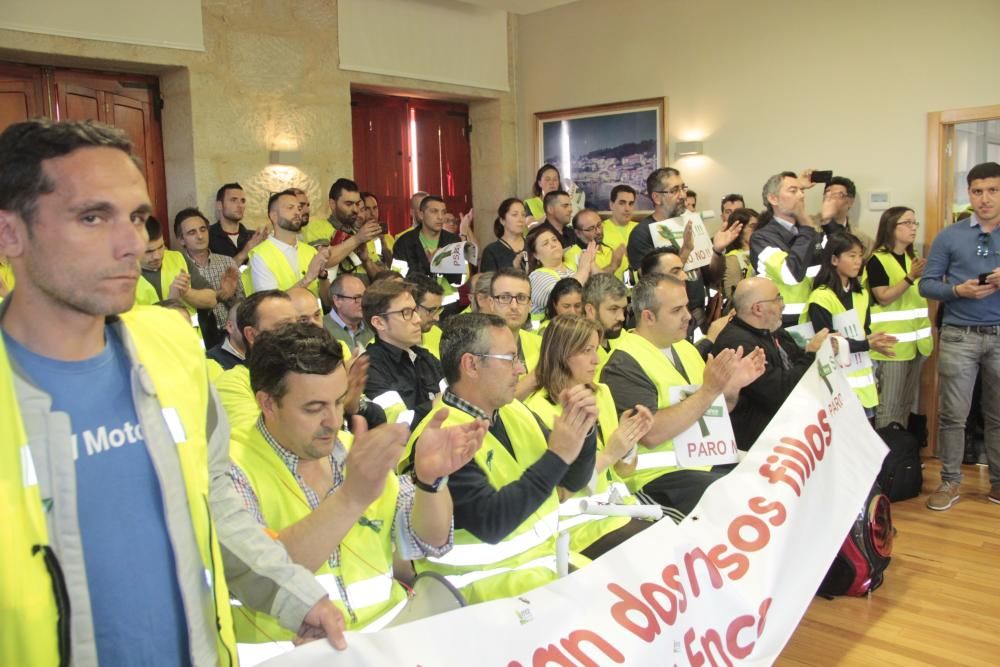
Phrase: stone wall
(269, 79)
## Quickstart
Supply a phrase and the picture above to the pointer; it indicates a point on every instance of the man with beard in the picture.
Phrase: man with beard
(667, 190)
(346, 232)
(587, 227)
(228, 236)
(604, 301)
(281, 261)
(641, 371)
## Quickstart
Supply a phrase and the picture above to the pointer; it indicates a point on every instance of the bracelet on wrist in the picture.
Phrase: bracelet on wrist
(430, 488)
(909, 280)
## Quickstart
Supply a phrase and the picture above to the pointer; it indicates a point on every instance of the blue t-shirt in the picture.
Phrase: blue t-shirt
(134, 596)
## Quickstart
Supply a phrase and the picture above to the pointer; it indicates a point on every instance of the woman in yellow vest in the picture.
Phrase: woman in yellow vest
(837, 290)
(546, 180)
(545, 260)
(894, 272)
(569, 358)
(738, 264)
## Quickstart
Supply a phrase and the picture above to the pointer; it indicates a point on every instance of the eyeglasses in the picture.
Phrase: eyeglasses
(405, 313)
(355, 299)
(505, 299)
(777, 298)
(431, 312)
(587, 230)
(909, 223)
(985, 245)
(835, 195)
(515, 361)
(674, 190)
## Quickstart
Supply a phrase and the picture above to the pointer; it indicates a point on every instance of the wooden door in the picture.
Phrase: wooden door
(22, 94)
(381, 162)
(129, 103)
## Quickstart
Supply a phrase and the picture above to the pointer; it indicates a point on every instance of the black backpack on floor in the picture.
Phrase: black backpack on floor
(861, 562)
(901, 476)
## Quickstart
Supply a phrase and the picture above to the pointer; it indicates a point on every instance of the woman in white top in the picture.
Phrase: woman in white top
(545, 260)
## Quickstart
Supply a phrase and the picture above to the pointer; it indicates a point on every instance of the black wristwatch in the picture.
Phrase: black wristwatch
(430, 488)
(323, 275)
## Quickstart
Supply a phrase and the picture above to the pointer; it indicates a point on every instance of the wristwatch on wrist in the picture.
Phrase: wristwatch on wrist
(322, 275)
(430, 488)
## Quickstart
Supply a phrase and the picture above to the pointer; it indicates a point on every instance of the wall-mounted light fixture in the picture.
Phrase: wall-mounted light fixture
(689, 148)
(285, 158)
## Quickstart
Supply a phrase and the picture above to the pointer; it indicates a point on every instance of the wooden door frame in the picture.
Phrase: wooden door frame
(937, 213)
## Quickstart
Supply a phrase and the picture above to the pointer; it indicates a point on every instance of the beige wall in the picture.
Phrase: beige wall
(269, 78)
(769, 85)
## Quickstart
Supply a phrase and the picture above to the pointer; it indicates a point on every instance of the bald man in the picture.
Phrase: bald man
(758, 305)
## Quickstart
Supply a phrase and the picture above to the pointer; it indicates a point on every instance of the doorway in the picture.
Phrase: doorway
(129, 102)
(404, 145)
(957, 140)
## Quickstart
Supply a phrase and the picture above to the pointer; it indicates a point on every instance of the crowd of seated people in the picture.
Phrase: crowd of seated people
(388, 419)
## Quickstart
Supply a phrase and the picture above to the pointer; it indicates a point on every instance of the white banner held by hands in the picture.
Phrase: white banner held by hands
(727, 585)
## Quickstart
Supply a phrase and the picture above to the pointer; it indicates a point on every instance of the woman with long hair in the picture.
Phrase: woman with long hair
(738, 264)
(509, 229)
(837, 290)
(545, 262)
(547, 180)
(569, 358)
(566, 298)
(894, 272)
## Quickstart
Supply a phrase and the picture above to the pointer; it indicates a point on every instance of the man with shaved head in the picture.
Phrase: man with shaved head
(757, 323)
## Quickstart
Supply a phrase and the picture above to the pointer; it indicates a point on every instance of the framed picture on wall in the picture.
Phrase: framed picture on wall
(599, 147)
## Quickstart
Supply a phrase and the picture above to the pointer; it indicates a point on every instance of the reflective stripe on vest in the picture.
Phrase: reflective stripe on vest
(534, 538)
(897, 315)
(772, 263)
(361, 593)
(462, 580)
(482, 553)
(862, 381)
(585, 529)
(906, 318)
(165, 347)
(365, 565)
(648, 460)
(657, 461)
(284, 274)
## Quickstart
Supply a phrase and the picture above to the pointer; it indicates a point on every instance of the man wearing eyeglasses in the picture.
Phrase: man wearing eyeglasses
(963, 273)
(403, 378)
(510, 298)
(506, 505)
(344, 321)
(667, 190)
(428, 294)
(757, 324)
(785, 246)
(588, 227)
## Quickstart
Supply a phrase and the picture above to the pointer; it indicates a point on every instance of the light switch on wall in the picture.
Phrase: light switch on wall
(878, 200)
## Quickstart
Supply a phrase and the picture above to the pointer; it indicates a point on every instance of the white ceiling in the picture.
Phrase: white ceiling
(519, 6)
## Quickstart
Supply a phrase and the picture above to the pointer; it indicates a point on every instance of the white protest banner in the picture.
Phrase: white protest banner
(709, 441)
(727, 585)
(671, 233)
(848, 325)
(452, 258)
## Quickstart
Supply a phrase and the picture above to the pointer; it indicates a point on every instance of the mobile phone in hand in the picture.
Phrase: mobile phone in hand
(984, 278)
(821, 176)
